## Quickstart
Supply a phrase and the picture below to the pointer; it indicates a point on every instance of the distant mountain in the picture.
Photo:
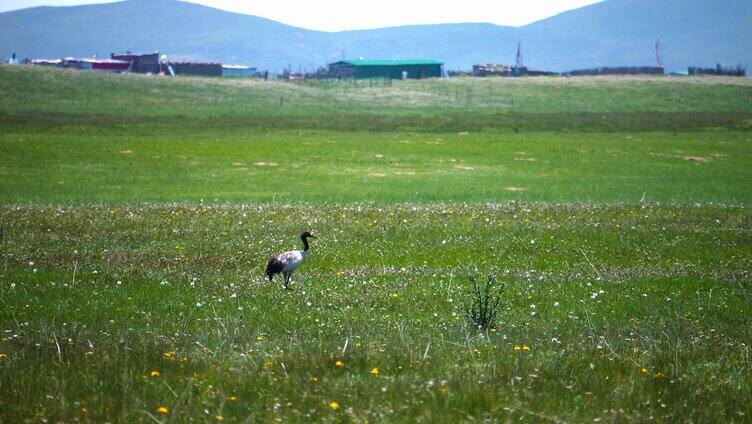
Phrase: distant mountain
(614, 32)
(622, 32)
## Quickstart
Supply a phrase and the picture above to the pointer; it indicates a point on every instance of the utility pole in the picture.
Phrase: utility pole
(519, 67)
(519, 64)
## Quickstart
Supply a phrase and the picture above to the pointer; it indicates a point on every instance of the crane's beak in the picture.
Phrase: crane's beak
(311, 236)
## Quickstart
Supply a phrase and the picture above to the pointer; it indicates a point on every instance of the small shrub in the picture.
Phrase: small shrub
(484, 302)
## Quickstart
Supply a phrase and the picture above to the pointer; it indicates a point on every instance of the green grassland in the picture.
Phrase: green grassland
(630, 313)
(73, 166)
(66, 98)
(72, 137)
(137, 213)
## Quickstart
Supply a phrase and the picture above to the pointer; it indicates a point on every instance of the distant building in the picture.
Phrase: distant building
(140, 63)
(518, 70)
(202, 69)
(94, 64)
(84, 63)
(55, 63)
(491, 69)
(391, 69)
(238, 71)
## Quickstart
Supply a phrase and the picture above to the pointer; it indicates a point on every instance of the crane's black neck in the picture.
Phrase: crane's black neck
(305, 242)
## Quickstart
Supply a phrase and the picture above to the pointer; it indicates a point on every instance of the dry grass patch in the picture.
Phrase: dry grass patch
(700, 159)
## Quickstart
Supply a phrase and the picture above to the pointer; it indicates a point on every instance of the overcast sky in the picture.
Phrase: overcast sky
(336, 15)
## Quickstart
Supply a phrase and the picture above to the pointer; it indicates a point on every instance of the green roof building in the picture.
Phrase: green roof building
(392, 69)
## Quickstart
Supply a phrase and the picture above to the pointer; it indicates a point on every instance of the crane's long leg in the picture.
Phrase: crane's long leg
(287, 279)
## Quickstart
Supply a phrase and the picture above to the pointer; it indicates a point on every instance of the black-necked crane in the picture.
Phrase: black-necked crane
(288, 262)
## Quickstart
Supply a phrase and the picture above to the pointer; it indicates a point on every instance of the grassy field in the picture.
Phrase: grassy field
(70, 98)
(73, 137)
(137, 214)
(78, 166)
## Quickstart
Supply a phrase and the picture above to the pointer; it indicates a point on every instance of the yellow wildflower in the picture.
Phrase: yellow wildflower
(220, 418)
(340, 363)
(526, 347)
(233, 398)
(169, 355)
(163, 409)
(314, 380)
(259, 338)
(644, 370)
(84, 410)
(334, 405)
(154, 373)
(3, 355)
(517, 348)
(375, 372)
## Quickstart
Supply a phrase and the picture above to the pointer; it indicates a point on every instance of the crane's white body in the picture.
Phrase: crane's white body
(288, 262)
(292, 260)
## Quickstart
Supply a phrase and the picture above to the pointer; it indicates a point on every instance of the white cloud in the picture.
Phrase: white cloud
(336, 15)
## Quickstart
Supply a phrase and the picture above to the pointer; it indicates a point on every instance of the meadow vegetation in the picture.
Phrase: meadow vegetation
(67, 98)
(137, 214)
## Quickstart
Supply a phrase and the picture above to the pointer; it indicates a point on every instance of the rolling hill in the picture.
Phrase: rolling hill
(614, 32)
